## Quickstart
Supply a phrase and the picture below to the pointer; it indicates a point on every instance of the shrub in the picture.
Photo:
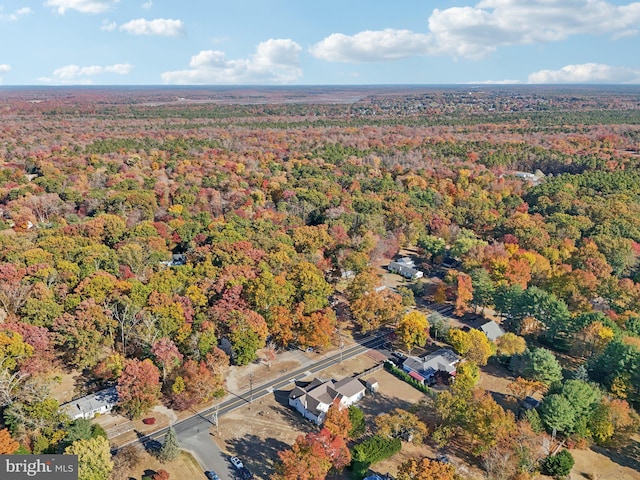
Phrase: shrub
(402, 375)
(558, 465)
(372, 450)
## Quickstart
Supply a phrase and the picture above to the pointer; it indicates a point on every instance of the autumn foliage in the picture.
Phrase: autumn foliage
(312, 456)
(139, 234)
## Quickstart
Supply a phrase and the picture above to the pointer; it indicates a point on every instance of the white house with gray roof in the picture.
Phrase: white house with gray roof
(314, 400)
(88, 407)
(405, 267)
(423, 369)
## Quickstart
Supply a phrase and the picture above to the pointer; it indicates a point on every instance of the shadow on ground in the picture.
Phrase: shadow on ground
(260, 454)
(150, 445)
(628, 456)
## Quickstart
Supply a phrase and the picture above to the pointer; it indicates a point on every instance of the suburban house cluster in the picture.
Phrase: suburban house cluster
(424, 369)
(405, 267)
(313, 400)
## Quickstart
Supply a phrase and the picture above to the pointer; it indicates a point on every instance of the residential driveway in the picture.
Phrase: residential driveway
(197, 439)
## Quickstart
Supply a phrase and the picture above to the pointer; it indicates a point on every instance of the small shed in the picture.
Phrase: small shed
(372, 385)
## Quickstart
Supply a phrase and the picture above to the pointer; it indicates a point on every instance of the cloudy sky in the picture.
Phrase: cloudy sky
(153, 42)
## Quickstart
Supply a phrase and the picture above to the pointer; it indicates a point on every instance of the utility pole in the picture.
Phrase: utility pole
(341, 341)
(214, 417)
(250, 387)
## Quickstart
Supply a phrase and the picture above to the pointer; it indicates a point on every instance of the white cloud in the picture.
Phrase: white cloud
(108, 26)
(369, 46)
(4, 68)
(275, 61)
(147, 5)
(16, 14)
(163, 27)
(76, 75)
(477, 31)
(82, 6)
(586, 73)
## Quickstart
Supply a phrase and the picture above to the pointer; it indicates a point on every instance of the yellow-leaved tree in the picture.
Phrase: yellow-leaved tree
(413, 329)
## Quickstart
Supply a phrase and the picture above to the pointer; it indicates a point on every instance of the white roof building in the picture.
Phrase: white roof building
(88, 407)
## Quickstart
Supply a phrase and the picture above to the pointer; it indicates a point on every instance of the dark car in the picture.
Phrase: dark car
(212, 475)
(245, 474)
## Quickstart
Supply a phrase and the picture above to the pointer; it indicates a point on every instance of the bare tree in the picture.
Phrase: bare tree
(10, 386)
(127, 316)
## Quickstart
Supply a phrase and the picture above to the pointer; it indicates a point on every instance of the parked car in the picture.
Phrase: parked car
(442, 459)
(211, 475)
(236, 462)
(245, 474)
(399, 355)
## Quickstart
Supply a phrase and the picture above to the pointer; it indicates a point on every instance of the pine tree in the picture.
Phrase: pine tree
(170, 448)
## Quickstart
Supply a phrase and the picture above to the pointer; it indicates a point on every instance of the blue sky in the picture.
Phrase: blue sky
(297, 42)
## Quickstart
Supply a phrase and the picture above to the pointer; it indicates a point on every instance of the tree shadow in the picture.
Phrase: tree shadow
(149, 473)
(258, 454)
(627, 456)
(505, 401)
(150, 445)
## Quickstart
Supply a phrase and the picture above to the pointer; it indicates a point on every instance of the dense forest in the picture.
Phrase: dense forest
(139, 228)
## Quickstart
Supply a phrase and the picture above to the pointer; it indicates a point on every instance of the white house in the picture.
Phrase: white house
(314, 400)
(405, 267)
(424, 369)
(91, 405)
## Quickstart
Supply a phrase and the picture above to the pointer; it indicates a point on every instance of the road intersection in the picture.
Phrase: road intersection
(194, 432)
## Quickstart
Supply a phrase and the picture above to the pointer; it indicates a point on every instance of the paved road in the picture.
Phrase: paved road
(193, 432)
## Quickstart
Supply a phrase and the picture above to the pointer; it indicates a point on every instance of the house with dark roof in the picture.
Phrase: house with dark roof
(405, 267)
(313, 400)
(492, 330)
(88, 407)
(424, 369)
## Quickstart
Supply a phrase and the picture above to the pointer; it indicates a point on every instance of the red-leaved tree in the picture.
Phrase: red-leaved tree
(138, 387)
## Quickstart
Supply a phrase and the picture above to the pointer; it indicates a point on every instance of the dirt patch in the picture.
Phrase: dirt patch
(605, 464)
(185, 466)
(494, 379)
(64, 386)
(259, 373)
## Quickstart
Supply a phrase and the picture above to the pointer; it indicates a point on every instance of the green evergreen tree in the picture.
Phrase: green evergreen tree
(557, 413)
(170, 448)
(558, 465)
(356, 416)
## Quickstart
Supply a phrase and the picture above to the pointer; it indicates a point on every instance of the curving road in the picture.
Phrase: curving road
(193, 432)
